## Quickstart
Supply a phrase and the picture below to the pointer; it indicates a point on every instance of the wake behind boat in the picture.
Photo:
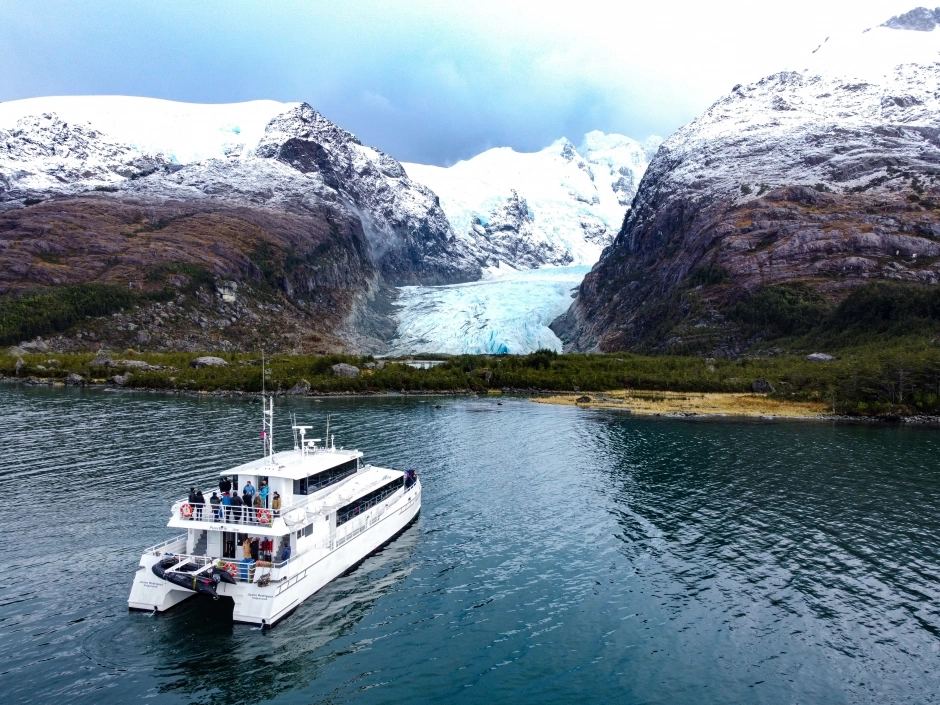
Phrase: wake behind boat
(311, 514)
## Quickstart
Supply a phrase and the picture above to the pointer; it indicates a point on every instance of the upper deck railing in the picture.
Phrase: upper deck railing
(251, 516)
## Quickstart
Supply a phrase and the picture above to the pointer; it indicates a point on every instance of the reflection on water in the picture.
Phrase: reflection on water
(561, 556)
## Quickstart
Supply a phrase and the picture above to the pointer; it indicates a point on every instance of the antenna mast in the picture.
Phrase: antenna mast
(267, 429)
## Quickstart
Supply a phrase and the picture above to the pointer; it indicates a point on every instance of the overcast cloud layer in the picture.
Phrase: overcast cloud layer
(426, 82)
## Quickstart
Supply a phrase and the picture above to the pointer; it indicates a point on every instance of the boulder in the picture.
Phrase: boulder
(299, 389)
(137, 365)
(16, 351)
(585, 399)
(19, 366)
(819, 357)
(37, 345)
(143, 336)
(102, 360)
(120, 380)
(208, 361)
(74, 380)
(343, 370)
(761, 386)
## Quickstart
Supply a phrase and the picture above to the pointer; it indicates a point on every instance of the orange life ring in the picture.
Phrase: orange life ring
(230, 568)
(186, 510)
(264, 516)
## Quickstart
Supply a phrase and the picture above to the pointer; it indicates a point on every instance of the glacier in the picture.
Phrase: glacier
(506, 312)
(537, 221)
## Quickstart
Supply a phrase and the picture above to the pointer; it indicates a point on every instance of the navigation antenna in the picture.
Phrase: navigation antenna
(267, 429)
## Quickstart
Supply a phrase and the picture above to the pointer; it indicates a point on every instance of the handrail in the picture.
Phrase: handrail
(175, 539)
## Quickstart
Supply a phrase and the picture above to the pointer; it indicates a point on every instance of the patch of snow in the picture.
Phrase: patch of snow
(182, 133)
(558, 206)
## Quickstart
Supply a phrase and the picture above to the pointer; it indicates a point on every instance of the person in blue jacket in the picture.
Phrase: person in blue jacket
(285, 552)
(227, 506)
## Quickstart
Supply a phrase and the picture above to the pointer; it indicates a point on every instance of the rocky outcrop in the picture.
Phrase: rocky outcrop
(277, 227)
(818, 177)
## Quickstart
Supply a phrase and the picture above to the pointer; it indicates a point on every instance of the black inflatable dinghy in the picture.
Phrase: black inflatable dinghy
(186, 577)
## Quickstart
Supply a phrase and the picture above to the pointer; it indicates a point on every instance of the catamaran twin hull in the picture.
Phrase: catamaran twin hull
(264, 595)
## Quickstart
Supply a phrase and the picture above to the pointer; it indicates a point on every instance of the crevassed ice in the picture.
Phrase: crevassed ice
(506, 312)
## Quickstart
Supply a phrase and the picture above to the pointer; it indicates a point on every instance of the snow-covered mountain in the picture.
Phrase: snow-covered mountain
(536, 221)
(559, 206)
(264, 153)
(111, 189)
(827, 174)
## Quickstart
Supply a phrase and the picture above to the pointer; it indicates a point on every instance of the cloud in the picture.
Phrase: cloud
(426, 81)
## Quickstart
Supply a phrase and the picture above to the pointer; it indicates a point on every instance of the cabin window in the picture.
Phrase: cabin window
(312, 483)
(306, 531)
(358, 506)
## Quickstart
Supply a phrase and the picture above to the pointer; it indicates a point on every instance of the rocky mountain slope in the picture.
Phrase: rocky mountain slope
(559, 206)
(826, 176)
(271, 200)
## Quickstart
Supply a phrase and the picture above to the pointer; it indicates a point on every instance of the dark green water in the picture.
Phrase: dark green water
(562, 556)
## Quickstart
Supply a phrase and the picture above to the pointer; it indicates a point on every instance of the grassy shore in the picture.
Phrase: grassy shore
(879, 380)
(650, 403)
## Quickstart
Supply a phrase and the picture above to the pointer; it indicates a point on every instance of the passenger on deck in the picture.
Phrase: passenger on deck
(285, 552)
(216, 503)
(192, 496)
(237, 507)
(225, 485)
(227, 506)
(276, 502)
(249, 490)
(246, 500)
(264, 491)
(257, 502)
(246, 548)
(200, 503)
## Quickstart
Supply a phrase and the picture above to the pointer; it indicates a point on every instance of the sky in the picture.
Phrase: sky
(427, 82)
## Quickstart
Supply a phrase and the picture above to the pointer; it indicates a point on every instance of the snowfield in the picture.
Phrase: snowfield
(559, 206)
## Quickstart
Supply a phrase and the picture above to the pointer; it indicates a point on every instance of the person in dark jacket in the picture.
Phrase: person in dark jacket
(225, 485)
(237, 507)
(200, 503)
(246, 500)
(254, 549)
(216, 503)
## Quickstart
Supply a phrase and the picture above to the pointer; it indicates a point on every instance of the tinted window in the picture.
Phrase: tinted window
(358, 506)
(311, 484)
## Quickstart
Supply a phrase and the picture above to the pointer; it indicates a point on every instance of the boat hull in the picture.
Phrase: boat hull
(308, 573)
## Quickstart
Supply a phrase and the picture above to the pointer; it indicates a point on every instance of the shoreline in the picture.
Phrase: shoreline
(728, 406)
(718, 405)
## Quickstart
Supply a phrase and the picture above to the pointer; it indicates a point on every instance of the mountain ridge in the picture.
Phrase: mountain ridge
(825, 177)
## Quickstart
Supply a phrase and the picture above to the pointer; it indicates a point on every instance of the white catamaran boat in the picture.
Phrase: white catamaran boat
(334, 511)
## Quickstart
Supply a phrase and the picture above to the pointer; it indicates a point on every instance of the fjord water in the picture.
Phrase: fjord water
(561, 556)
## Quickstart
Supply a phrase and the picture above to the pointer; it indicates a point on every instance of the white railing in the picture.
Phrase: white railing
(176, 539)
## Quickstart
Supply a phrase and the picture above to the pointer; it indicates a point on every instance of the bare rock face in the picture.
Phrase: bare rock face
(74, 380)
(820, 177)
(273, 201)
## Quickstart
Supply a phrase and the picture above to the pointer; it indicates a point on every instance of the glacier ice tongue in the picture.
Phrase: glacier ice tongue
(502, 313)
